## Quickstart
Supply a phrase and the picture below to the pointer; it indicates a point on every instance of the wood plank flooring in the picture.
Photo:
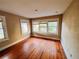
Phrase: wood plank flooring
(34, 48)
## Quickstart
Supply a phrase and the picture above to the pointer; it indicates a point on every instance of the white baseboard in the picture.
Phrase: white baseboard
(7, 46)
(64, 50)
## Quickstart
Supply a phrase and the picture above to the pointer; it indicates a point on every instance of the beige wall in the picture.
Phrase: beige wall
(13, 28)
(70, 31)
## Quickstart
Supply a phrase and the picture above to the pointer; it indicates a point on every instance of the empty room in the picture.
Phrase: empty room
(39, 29)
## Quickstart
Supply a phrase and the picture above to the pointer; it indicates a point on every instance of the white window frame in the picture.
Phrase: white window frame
(35, 23)
(46, 22)
(33, 27)
(40, 28)
(4, 29)
(52, 26)
(25, 21)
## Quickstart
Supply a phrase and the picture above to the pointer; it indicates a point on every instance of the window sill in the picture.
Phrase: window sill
(45, 33)
(2, 40)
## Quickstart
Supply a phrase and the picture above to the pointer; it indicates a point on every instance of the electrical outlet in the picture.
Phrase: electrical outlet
(70, 55)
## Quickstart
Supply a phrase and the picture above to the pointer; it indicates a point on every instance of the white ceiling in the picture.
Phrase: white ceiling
(27, 8)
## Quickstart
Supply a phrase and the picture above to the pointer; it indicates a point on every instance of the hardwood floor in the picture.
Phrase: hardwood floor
(34, 48)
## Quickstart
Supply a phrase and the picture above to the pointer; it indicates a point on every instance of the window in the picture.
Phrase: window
(43, 28)
(3, 29)
(52, 27)
(24, 27)
(36, 28)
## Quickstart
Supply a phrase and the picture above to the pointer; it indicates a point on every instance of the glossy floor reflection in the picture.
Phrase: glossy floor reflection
(34, 48)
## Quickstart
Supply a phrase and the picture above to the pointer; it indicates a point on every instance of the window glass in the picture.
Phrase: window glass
(24, 27)
(52, 23)
(36, 28)
(43, 28)
(52, 27)
(1, 31)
